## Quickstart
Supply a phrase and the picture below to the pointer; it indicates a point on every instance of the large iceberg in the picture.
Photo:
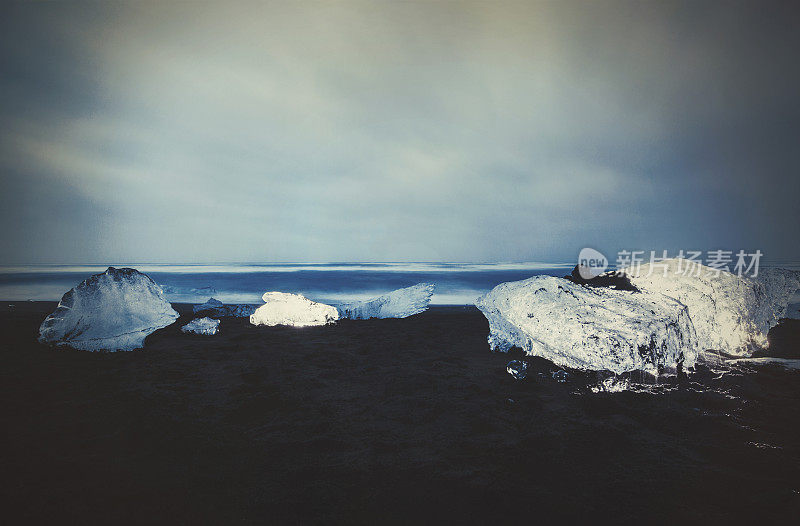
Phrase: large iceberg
(282, 308)
(589, 327)
(214, 307)
(399, 303)
(730, 313)
(111, 311)
(671, 312)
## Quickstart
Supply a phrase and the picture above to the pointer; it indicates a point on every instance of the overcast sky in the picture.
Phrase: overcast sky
(396, 131)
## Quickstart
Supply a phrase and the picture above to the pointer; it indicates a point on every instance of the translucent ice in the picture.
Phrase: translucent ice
(671, 313)
(214, 307)
(205, 326)
(111, 311)
(612, 384)
(211, 305)
(399, 303)
(589, 327)
(730, 313)
(518, 369)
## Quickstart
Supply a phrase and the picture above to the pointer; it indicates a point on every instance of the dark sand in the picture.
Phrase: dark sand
(374, 422)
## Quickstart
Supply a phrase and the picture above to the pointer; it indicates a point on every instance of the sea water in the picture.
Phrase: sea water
(456, 283)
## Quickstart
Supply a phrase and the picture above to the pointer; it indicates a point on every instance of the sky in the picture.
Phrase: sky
(180, 132)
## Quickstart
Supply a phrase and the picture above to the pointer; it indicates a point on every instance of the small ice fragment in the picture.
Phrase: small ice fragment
(211, 304)
(205, 326)
(560, 376)
(518, 369)
(612, 385)
(214, 307)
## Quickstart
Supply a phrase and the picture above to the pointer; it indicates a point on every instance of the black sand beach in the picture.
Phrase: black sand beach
(379, 422)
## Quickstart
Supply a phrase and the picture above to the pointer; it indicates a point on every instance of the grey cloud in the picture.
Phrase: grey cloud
(396, 131)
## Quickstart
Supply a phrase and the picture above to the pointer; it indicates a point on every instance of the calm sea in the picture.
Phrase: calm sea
(456, 283)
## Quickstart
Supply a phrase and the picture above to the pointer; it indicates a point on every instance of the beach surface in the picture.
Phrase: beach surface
(391, 421)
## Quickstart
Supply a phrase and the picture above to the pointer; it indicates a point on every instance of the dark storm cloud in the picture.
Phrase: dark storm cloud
(396, 131)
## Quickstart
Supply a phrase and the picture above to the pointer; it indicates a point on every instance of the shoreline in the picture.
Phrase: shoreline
(784, 337)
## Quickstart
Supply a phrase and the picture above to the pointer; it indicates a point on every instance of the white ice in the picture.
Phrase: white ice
(112, 311)
(783, 288)
(282, 308)
(399, 303)
(730, 313)
(589, 328)
(205, 326)
(678, 313)
(612, 384)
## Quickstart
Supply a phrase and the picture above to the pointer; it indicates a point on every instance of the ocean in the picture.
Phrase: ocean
(456, 283)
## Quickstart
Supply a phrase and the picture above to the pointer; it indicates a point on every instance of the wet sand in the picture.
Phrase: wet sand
(378, 422)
